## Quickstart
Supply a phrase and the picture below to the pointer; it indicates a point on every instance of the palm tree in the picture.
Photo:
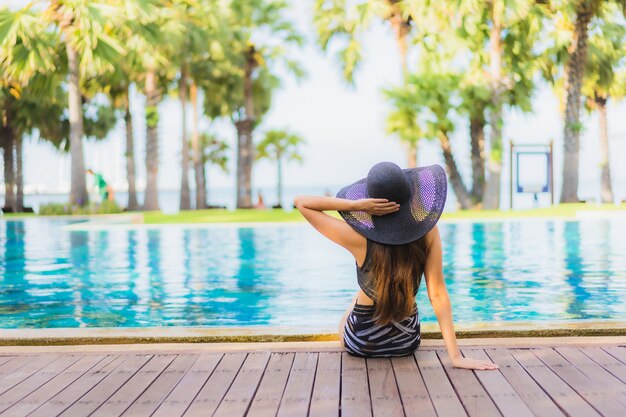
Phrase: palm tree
(242, 87)
(279, 146)
(342, 22)
(26, 52)
(136, 32)
(605, 78)
(500, 35)
(85, 27)
(198, 166)
(116, 85)
(187, 13)
(429, 94)
(203, 74)
(41, 113)
(213, 151)
(199, 48)
(583, 12)
(475, 100)
(157, 34)
(7, 140)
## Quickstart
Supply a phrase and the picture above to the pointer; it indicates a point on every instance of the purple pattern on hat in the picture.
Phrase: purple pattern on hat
(358, 192)
(427, 181)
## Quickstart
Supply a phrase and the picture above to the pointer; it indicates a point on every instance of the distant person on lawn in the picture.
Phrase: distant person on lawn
(391, 230)
(105, 190)
(260, 204)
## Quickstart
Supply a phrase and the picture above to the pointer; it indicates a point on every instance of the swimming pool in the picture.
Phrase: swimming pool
(138, 276)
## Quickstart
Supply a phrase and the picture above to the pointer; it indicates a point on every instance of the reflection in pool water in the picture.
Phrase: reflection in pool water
(526, 270)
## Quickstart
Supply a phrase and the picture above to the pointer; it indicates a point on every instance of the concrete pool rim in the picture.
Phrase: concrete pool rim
(152, 335)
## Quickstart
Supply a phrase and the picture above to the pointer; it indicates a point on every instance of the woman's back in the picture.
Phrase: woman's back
(390, 276)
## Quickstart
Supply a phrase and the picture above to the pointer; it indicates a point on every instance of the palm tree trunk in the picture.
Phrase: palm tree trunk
(477, 136)
(130, 154)
(8, 139)
(571, 129)
(245, 150)
(491, 197)
(206, 182)
(185, 203)
(244, 163)
(78, 190)
(411, 154)
(401, 29)
(19, 176)
(151, 199)
(605, 166)
(198, 167)
(280, 180)
(462, 196)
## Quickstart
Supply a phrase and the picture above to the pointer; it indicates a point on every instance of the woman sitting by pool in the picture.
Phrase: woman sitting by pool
(390, 229)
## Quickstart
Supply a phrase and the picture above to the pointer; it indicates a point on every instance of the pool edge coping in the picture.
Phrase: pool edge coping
(319, 346)
(268, 334)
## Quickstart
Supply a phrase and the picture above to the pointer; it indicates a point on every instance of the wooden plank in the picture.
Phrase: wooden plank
(210, 396)
(561, 393)
(268, 396)
(526, 387)
(325, 398)
(4, 359)
(355, 392)
(441, 392)
(297, 395)
(608, 362)
(413, 392)
(181, 397)
(55, 385)
(154, 395)
(25, 368)
(613, 386)
(132, 388)
(498, 388)
(30, 384)
(383, 388)
(57, 404)
(239, 396)
(618, 352)
(590, 390)
(100, 392)
(475, 399)
(13, 364)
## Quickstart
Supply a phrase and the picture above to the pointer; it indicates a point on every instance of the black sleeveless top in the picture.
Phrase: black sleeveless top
(365, 277)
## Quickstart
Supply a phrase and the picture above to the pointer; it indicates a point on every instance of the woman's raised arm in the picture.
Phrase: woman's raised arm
(313, 207)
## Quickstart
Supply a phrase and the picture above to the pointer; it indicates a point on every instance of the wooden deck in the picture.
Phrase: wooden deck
(545, 381)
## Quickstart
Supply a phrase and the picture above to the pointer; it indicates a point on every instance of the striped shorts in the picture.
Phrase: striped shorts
(363, 337)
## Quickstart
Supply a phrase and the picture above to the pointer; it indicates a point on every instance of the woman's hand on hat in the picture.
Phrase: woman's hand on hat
(469, 363)
(376, 206)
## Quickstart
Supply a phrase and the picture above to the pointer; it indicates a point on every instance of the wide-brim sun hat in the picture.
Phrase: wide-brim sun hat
(421, 193)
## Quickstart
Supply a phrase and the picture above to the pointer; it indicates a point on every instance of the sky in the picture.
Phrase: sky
(344, 129)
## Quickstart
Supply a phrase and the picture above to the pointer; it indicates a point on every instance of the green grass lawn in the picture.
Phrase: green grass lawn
(17, 215)
(242, 216)
(251, 215)
(223, 216)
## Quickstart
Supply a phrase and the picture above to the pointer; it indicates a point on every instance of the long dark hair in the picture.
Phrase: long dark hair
(397, 270)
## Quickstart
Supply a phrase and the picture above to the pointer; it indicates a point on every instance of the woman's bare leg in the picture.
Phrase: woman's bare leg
(344, 319)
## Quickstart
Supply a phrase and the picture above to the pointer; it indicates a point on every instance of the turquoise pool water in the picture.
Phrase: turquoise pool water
(136, 276)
